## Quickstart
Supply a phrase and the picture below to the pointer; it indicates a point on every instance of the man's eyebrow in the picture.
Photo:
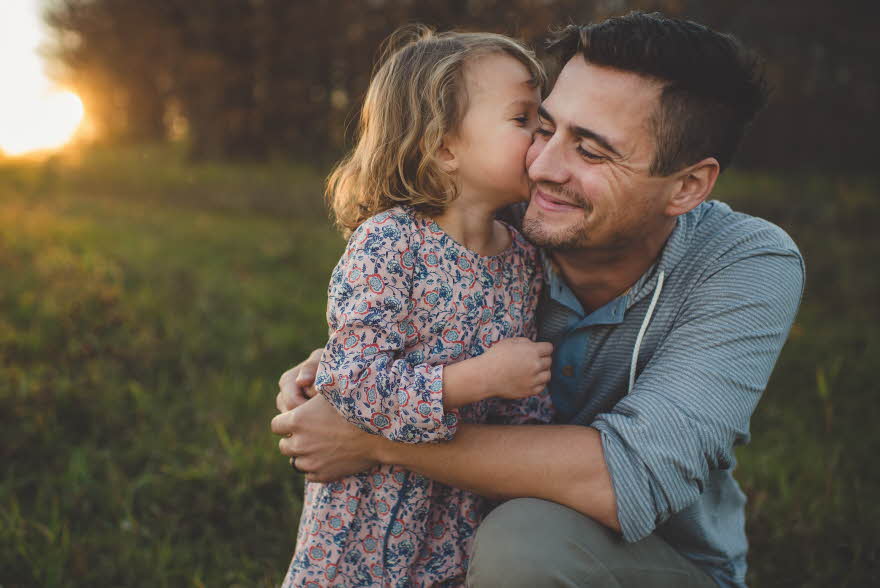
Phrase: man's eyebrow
(581, 132)
(542, 112)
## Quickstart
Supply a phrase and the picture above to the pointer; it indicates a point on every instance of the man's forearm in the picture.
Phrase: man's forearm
(561, 463)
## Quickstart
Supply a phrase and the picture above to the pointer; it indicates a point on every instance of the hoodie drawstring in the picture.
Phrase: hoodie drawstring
(648, 315)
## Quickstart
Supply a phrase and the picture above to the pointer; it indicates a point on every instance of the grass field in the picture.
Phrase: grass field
(147, 308)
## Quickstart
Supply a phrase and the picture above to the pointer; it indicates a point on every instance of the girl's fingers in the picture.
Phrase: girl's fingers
(545, 349)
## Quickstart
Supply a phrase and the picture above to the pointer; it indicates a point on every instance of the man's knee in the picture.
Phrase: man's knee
(528, 542)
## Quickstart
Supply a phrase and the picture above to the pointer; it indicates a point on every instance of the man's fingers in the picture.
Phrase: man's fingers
(291, 445)
(305, 464)
(295, 384)
(283, 424)
(288, 375)
(306, 376)
(288, 399)
(309, 368)
(291, 396)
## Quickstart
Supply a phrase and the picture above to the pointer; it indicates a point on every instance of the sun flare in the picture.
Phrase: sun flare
(35, 114)
(46, 123)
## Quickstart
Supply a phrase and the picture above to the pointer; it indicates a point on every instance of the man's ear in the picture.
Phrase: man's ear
(694, 185)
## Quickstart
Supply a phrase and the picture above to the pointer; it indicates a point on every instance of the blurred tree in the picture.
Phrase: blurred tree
(251, 78)
(112, 52)
(266, 78)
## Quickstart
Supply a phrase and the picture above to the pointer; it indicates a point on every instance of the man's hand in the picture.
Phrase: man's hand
(295, 384)
(326, 446)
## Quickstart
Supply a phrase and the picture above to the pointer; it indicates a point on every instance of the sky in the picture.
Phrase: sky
(34, 113)
(21, 32)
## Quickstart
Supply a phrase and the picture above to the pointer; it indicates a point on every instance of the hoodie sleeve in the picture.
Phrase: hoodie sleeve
(693, 401)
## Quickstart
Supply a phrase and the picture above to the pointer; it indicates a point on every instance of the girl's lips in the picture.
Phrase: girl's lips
(552, 204)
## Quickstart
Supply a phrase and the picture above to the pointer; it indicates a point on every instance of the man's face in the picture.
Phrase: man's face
(590, 162)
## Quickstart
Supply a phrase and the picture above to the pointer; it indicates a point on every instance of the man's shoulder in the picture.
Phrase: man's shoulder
(719, 231)
(748, 250)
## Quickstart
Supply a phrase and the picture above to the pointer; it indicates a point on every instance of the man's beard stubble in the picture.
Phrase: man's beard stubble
(570, 238)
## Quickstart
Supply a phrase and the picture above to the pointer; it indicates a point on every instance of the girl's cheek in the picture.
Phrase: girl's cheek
(525, 143)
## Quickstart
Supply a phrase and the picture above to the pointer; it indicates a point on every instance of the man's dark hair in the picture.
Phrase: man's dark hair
(712, 86)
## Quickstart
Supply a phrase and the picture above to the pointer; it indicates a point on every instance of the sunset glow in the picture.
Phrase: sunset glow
(35, 114)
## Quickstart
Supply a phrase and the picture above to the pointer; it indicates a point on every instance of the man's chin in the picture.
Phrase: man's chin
(538, 231)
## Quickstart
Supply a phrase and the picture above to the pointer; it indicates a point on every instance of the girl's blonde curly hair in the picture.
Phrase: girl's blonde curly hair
(417, 97)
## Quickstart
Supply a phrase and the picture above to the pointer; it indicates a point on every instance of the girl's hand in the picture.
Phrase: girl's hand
(516, 368)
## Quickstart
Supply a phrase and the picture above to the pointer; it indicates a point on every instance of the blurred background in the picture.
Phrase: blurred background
(164, 256)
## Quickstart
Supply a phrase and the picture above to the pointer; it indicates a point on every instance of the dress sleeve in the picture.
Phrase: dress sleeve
(534, 410)
(693, 401)
(364, 372)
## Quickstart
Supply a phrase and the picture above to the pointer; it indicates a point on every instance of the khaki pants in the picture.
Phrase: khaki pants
(534, 543)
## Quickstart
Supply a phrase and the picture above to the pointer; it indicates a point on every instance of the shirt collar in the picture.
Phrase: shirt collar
(558, 290)
(673, 252)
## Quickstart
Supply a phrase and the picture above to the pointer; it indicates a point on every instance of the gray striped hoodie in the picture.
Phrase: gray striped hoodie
(672, 404)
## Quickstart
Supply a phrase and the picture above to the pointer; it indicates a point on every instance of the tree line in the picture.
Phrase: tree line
(259, 79)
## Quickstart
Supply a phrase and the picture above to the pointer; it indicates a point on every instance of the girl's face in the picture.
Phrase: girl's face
(490, 146)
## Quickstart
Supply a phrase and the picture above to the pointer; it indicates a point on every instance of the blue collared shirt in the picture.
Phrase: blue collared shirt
(731, 287)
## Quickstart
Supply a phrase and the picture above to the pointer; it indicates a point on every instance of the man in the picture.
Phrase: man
(667, 313)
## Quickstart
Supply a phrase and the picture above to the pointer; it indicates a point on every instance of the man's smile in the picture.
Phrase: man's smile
(553, 203)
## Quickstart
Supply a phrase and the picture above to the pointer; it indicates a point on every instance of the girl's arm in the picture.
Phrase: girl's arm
(362, 372)
(511, 371)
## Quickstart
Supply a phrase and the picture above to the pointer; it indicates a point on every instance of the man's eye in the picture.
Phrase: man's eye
(589, 154)
(543, 132)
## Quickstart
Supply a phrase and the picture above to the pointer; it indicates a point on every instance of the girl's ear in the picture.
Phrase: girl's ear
(446, 156)
(694, 185)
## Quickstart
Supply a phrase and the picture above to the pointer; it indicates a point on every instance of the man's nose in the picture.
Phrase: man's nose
(548, 162)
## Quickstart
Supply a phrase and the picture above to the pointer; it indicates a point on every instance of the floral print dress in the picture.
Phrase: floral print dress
(405, 300)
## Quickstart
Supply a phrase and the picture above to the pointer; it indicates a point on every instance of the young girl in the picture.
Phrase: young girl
(431, 307)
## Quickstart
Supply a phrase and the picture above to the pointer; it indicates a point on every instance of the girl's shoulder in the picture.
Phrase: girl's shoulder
(396, 222)
(389, 231)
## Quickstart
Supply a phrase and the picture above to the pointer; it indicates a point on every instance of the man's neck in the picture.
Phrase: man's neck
(598, 277)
